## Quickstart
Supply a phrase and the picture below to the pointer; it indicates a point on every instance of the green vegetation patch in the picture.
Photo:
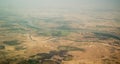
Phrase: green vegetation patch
(68, 58)
(19, 48)
(11, 43)
(48, 58)
(102, 26)
(70, 48)
(60, 33)
(49, 62)
(106, 35)
(56, 33)
(29, 61)
(44, 33)
(2, 47)
(65, 27)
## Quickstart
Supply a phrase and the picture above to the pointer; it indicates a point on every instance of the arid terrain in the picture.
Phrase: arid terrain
(40, 37)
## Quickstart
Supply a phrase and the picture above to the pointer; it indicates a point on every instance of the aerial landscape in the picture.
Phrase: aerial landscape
(59, 32)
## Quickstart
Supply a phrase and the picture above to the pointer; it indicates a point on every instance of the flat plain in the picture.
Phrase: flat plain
(40, 37)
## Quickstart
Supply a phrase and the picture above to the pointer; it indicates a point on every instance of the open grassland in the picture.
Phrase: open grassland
(92, 37)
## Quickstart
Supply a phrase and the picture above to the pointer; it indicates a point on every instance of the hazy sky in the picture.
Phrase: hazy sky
(61, 4)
